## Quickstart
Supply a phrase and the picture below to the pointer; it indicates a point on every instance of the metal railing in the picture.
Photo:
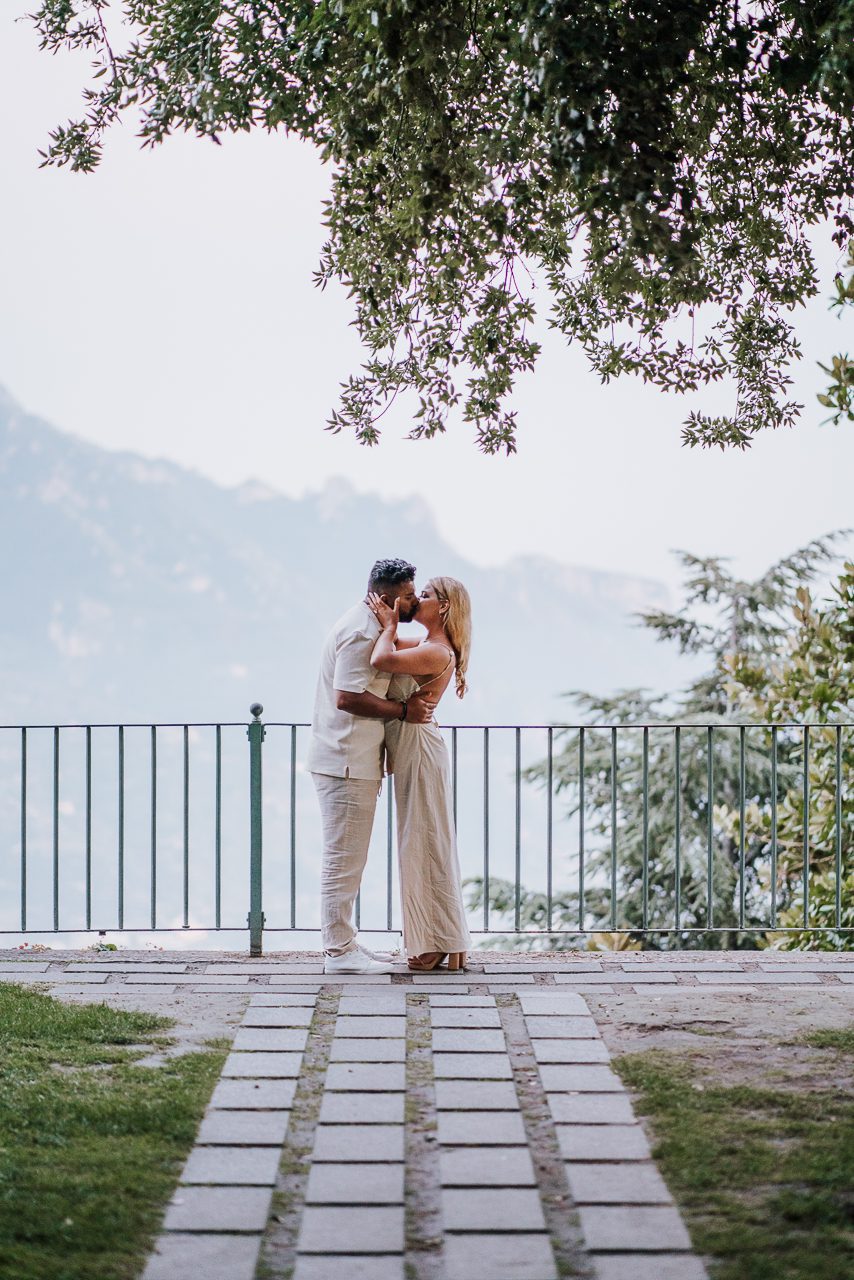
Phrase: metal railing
(682, 829)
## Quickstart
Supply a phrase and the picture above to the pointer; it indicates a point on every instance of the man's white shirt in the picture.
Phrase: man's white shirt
(344, 745)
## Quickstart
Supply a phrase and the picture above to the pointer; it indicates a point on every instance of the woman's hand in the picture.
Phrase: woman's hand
(387, 618)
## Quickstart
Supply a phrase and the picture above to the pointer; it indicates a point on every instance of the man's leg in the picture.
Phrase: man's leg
(347, 808)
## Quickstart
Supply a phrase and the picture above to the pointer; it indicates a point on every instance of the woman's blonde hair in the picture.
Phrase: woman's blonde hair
(457, 621)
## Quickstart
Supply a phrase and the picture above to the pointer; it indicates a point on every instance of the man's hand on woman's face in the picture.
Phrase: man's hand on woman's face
(384, 615)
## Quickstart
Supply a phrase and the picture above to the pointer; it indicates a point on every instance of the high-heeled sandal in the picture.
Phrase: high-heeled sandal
(457, 961)
(428, 961)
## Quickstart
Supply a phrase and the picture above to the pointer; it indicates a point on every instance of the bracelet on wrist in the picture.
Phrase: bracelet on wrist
(404, 704)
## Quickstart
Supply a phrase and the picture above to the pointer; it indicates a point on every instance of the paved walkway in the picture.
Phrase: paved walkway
(438, 1127)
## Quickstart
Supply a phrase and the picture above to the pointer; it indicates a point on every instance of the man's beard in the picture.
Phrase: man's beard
(409, 614)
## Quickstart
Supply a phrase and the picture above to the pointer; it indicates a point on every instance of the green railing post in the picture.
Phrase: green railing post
(255, 733)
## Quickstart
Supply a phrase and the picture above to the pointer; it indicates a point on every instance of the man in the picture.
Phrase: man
(346, 758)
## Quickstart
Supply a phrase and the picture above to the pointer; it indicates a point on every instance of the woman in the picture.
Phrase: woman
(434, 920)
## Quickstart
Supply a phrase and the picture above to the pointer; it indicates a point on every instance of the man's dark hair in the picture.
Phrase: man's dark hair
(390, 573)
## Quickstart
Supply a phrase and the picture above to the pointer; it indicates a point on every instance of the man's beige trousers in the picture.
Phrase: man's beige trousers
(347, 808)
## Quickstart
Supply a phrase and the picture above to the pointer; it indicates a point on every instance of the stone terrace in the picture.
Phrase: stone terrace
(438, 1127)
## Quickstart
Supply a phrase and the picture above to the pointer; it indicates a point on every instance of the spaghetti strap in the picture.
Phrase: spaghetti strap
(433, 679)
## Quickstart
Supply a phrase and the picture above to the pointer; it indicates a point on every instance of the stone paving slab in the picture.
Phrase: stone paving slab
(504, 1257)
(637, 977)
(130, 966)
(362, 1108)
(78, 979)
(243, 1128)
(154, 979)
(481, 1129)
(381, 1050)
(61, 991)
(510, 986)
(363, 1229)
(633, 1228)
(465, 1017)
(232, 1166)
(275, 1038)
(459, 1000)
(180, 1256)
(591, 1108)
(581, 1077)
(345, 1143)
(283, 999)
(504, 1167)
(437, 986)
(471, 1066)
(222, 989)
(286, 1016)
(339, 979)
(659, 1266)
(290, 1003)
(349, 1267)
(492, 1209)
(761, 977)
(602, 1142)
(359, 1028)
(366, 1077)
(370, 1184)
(562, 1028)
(536, 966)
(265, 1095)
(505, 988)
(551, 1000)
(735, 988)
(476, 1095)
(362, 1006)
(468, 1040)
(264, 996)
(603, 988)
(631, 1183)
(553, 1051)
(261, 1065)
(218, 1209)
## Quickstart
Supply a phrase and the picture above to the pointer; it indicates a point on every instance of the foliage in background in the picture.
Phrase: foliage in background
(90, 1144)
(810, 681)
(772, 658)
(839, 395)
(655, 167)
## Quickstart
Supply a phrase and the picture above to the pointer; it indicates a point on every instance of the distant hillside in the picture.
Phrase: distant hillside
(139, 590)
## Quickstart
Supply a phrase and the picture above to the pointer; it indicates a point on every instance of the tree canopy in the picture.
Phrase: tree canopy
(652, 169)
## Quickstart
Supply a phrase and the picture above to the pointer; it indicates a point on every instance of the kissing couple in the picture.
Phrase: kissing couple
(376, 695)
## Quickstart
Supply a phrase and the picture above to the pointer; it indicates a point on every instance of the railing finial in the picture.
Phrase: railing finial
(256, 710)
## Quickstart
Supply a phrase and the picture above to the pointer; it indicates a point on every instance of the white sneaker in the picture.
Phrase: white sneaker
(356, 961)
(384, 957)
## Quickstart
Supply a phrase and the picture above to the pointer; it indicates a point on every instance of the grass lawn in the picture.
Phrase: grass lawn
(90, 1144)
(764, 1175)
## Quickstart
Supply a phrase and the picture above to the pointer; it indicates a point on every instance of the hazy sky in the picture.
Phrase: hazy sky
(165, 305)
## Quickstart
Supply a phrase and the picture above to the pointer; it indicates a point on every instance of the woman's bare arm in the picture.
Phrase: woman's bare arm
(423, 660)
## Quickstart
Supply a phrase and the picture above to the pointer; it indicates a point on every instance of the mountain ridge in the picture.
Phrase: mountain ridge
(140, 589)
